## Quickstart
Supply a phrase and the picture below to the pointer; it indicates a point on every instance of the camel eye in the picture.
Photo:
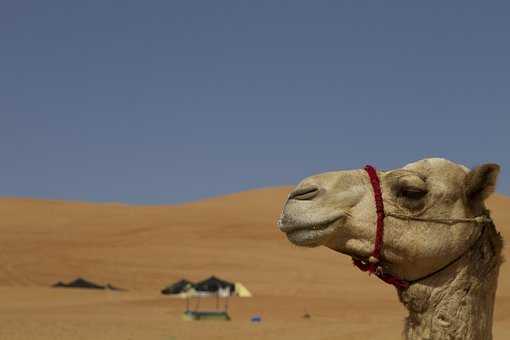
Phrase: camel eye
(412, 193)
(410, 190)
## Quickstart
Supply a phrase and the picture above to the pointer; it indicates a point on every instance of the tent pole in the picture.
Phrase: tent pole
(198, 303)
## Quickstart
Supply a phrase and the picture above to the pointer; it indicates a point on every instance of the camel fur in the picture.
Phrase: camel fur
(453, 268)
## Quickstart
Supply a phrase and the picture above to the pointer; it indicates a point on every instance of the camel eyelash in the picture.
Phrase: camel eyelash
(412, 193)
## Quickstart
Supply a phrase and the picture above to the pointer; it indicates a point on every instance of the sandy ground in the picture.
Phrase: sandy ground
(143, 248)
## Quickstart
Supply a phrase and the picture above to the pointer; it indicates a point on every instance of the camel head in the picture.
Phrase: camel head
(337, 210)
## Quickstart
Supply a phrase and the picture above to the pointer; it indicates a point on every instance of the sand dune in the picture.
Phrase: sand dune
(143, 248)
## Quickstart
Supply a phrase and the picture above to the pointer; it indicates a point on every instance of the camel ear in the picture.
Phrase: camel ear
(481, 182)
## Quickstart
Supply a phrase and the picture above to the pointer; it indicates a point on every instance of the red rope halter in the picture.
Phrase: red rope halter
(373, 266)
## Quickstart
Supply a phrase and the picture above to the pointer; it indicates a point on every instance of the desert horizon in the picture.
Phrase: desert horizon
(144, 248)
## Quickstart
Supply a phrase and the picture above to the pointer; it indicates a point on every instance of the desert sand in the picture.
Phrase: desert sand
(144, 248)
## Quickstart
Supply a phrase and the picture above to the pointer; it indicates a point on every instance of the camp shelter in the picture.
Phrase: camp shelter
(195, 314)
(82, 283)
(214, 285)
(211, 286)
(78, 283)
(178, 287)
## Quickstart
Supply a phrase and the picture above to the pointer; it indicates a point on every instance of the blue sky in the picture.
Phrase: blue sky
(171, 101)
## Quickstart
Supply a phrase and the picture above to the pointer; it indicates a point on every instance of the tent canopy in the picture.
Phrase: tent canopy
(178, 287)
(78, 283)
(207, 287)
(213, 285)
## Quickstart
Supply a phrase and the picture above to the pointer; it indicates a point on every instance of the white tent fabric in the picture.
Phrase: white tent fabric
(242, 291)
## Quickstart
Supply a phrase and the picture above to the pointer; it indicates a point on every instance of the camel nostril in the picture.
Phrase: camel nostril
(303, 194)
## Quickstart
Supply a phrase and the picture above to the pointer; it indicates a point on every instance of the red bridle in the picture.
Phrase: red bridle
(373, 265)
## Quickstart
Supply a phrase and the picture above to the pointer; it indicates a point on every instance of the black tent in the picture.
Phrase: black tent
(213, 284)
(82, 283)
(78, 283)
(178, 287)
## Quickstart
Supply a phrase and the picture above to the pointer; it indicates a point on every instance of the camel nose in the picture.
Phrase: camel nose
(307, 193)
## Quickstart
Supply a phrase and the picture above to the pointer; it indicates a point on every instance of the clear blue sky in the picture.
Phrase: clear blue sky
(171, 101)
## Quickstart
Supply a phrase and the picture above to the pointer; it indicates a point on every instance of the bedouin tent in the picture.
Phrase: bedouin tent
(78, 283)
(179, 287)
(214, 285)
(82, 283)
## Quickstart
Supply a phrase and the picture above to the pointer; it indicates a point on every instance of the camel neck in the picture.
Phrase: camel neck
(458, 302)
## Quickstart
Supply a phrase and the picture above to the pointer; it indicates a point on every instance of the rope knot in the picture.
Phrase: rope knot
(373, 260)
(482, 219)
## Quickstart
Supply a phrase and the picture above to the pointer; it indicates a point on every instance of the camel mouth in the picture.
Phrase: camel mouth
(309, 235)
(289, 225)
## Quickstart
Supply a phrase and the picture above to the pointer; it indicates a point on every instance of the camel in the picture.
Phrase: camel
(436, 243)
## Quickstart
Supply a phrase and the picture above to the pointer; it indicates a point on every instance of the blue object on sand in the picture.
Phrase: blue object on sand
(256, 319)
